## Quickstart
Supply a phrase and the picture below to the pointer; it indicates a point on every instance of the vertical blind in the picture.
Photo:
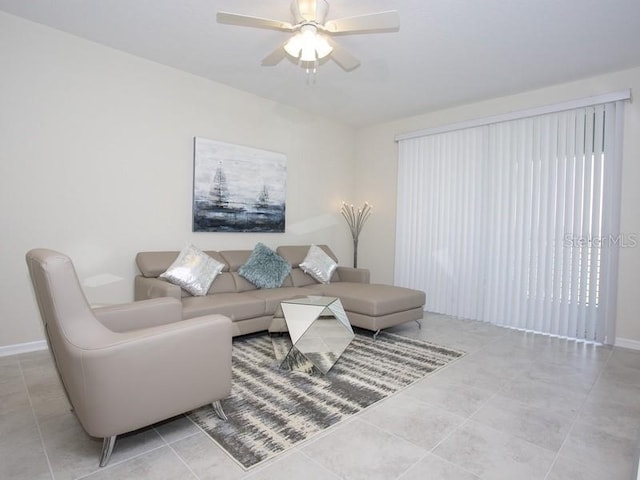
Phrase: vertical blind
(517, 222)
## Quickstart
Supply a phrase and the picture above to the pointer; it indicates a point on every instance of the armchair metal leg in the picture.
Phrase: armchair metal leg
(217, 406)
(107, 447)
(419, 324)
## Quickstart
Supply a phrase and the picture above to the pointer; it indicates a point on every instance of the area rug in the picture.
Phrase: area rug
(271, 410)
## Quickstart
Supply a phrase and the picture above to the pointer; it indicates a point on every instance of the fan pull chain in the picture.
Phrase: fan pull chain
(311, 73)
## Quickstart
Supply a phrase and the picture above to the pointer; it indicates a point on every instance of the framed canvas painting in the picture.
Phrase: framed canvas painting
(237, 188)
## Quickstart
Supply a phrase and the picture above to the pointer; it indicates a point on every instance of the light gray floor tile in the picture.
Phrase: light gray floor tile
(11, 380)
(46, 392)
(135, 443)
(206, 459)
(593, 445)
(622, 374)
(72, 453)
(8, 360)
(492, 454)
(607, 390)
(579, 377)
(176, 428)
(493, 357)
(418, 422)
(159, 464)
(22, 455)
(448, 393)
(573, 353)
(621, 419)
(566, 468)
(361, 451)
(467, 372)
(547, 396)
(623, 357)
(294, 465)
(543, 427)
(433, 467)
(495, 365)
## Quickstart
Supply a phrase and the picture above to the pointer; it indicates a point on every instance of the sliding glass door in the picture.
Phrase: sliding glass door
(517, 222)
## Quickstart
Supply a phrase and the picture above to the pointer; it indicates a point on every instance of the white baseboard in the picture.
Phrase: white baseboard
(42, 345)
(23, 348)
(627, 343)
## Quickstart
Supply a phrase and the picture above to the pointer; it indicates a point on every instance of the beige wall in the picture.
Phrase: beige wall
(96, 161)
(96, 158)
(377, 171)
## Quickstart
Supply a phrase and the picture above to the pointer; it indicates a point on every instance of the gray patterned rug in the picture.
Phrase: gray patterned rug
(271, 410)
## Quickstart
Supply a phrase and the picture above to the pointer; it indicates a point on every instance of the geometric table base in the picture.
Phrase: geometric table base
(319, 331)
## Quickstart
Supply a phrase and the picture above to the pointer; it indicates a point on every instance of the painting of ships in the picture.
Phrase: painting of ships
(263, 199)
(218, 199)
(237, 189)
(219, 192)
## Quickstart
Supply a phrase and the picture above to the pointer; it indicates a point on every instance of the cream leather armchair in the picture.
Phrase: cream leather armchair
(128, 366)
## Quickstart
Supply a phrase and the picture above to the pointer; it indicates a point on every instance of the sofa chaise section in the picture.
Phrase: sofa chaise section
(368, 305)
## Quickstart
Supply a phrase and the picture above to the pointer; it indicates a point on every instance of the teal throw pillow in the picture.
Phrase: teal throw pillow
(265, 268)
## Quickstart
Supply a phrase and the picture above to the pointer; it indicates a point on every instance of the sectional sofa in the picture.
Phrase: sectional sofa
(369, 306)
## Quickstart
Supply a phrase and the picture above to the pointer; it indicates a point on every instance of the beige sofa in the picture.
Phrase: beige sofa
(369, 306)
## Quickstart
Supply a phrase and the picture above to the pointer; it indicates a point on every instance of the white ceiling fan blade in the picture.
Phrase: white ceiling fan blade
(274, 57)
(371, 22)
(248, 21)
(342, 57)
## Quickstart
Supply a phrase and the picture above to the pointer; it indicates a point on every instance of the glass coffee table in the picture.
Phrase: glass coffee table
(310, 333)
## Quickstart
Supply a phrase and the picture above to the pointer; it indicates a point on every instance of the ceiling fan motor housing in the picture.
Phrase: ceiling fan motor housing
(310, 10)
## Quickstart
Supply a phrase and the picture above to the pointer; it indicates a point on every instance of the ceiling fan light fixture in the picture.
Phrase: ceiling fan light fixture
(322, 46)
(294, 46)
(307, 45)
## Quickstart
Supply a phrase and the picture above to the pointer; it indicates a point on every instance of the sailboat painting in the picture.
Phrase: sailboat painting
(237, 188)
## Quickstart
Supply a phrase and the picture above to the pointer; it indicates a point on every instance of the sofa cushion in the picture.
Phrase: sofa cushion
(300, 279)
(273, 296)
(374, 299)
(236, 306)
(265, 268)
(235, 258)
(193, 270)
(224, 283)
(152, 264)
(295, 254)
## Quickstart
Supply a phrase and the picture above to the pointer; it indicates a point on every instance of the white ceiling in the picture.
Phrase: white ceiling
(447, 52)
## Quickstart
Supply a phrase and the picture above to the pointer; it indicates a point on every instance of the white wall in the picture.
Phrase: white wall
(377, 172)
(96, 159)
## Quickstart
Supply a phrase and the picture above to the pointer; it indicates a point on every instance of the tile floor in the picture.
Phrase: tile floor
(518, 406)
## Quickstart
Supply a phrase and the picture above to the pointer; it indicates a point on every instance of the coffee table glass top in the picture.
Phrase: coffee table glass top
(319, 331)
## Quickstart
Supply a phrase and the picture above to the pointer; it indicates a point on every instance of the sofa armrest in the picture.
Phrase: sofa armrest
(152, 287)
(142, 314)
(355, 275)
(137, 378)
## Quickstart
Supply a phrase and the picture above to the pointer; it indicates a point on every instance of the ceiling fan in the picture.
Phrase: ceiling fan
(311, 40)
